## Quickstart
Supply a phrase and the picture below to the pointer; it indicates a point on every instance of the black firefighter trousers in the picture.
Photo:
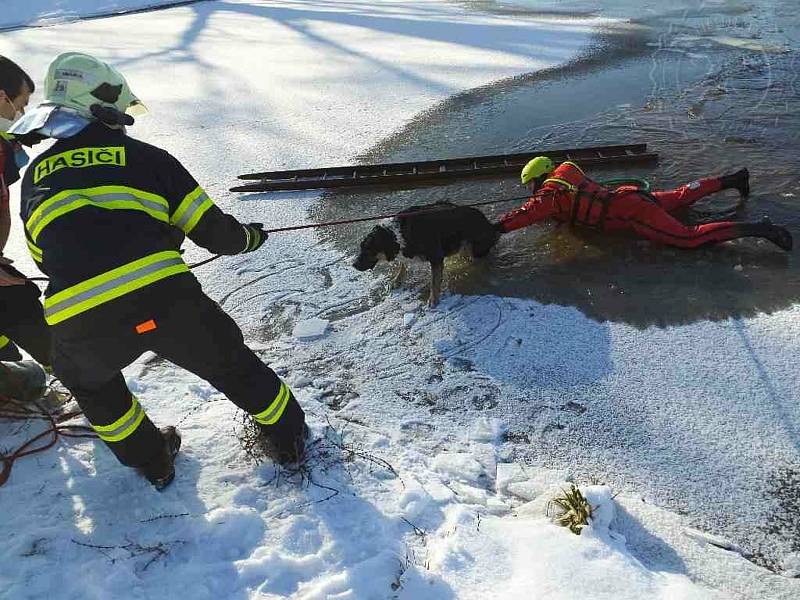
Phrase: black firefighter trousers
(177, 321)
(22, 322)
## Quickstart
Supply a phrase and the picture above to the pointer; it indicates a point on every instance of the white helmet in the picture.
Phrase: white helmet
(79, 81)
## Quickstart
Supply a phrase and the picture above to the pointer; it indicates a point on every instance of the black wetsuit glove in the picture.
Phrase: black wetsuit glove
(256, 236)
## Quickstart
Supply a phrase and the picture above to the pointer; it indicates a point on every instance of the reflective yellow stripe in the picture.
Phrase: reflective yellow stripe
(36, 252)
(112, 284)
(569, 162)
(124, 426)
(111, 197)
(570, 187)
(4, 341)
(271, 415)
(6, 136)
(191, 209)
(247, 238)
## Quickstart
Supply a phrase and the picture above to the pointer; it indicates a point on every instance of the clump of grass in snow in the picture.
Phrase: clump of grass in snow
(250, 438)
(571, 509)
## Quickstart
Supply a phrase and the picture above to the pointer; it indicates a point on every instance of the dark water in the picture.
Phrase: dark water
(710, 86)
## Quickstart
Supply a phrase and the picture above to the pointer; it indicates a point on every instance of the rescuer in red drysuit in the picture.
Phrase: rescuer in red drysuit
(566, 194)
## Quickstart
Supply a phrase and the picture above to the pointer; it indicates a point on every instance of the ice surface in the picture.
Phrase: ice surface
(310, 329)
(487, 430)
(458, 465)
(538, 484)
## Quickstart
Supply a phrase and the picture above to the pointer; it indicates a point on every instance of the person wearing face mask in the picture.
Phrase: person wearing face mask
(105, 215)
(22, 323)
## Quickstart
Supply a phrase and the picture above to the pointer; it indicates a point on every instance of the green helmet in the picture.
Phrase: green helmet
(79, 81)
(541, 165)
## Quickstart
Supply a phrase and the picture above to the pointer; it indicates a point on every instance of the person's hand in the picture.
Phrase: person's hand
(256, 236)
(7, 280)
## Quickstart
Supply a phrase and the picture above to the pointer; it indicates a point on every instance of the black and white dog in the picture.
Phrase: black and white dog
(429, 232)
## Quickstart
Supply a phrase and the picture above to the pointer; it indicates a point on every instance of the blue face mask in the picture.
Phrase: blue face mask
(21, 157)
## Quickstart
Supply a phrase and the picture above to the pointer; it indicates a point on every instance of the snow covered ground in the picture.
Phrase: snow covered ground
(18, 13)
(418, 416)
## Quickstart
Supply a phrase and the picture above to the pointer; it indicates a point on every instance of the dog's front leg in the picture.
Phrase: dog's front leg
(399, 277)
(437, 269)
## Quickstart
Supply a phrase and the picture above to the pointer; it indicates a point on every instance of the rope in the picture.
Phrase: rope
(342, 222)
(642, 184)
(362, 220)
(55, 428)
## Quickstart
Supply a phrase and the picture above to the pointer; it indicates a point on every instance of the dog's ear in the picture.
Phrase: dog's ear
(393, 249)
(388, 243)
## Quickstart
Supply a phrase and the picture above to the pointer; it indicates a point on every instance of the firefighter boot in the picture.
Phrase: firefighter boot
(284, 442)
(740, 180)
(160, 471)
(780, 236)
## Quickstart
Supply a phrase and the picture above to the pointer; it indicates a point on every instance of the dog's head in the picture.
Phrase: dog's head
(381, 242)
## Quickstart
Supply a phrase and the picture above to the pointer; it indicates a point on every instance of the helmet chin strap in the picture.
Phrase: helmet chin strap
(111, 116)
(536, 183)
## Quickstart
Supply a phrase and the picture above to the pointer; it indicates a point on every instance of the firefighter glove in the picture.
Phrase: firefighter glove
(255, 235)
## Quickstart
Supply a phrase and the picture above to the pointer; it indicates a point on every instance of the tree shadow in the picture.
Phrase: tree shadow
(430, 23)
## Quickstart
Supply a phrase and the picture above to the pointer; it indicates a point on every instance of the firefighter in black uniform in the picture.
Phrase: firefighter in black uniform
(104, 216)
(21, 318)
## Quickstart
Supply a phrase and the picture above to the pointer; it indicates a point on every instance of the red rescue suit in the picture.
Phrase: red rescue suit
(570, 196)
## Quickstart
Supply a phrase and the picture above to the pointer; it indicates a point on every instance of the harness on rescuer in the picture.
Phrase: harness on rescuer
(571, 192)
(589, 200)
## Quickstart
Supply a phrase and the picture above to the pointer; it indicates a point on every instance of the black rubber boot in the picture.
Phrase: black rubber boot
(780, 236)
(161, 470)
(285, 441)
(284, 450)
(740, 180)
